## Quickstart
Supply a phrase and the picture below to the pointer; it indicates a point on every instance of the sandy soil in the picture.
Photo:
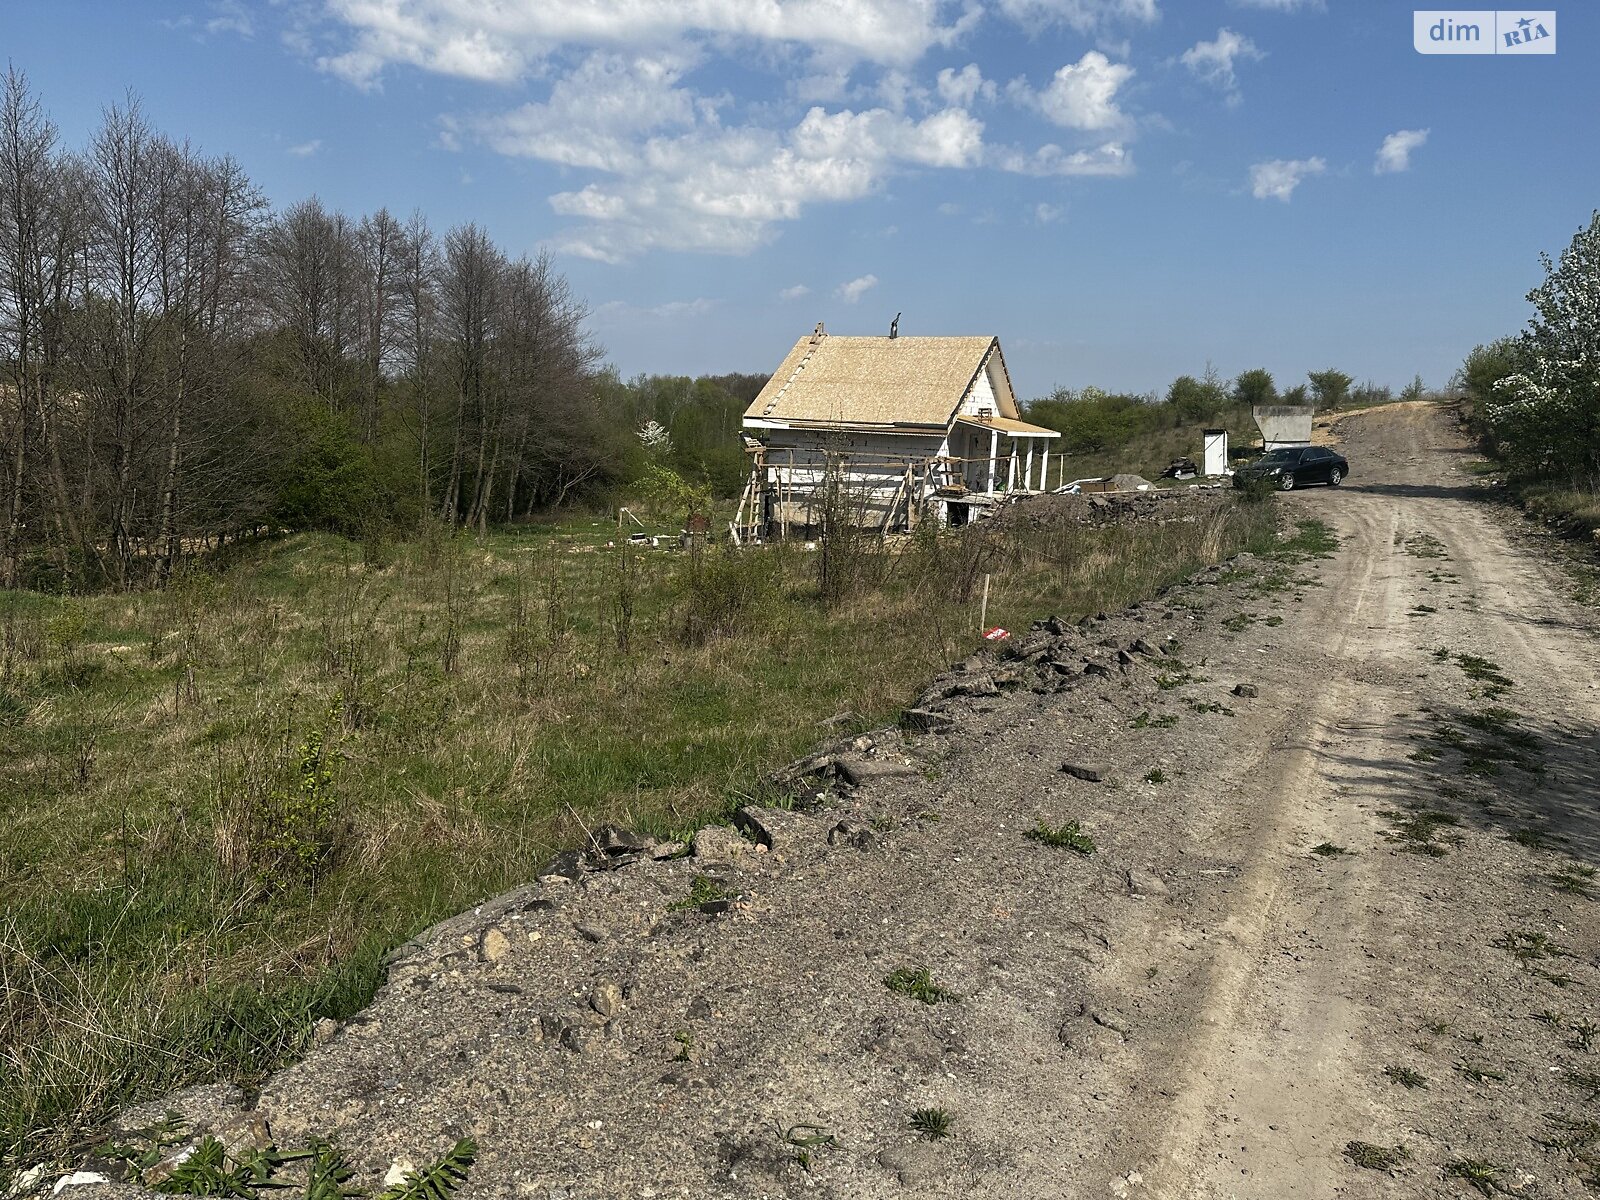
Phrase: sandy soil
(1203, 1007)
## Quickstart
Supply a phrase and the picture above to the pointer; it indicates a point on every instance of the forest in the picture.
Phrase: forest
(185, 365)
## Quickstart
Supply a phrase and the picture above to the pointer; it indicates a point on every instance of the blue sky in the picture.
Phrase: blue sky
(1121, 190)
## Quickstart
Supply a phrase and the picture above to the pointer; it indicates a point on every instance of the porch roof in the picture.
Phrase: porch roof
(1009, 427)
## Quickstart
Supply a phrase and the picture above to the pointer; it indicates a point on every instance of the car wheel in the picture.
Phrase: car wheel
(1286, 482)
(1334, 477)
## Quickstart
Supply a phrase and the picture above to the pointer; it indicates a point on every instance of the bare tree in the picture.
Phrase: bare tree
(419, 312)
(470, 279)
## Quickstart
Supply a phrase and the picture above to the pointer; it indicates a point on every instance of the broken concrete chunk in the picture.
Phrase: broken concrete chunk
(1247, 690)
(493, 945)
(925, 720)
(801, 768)
(1097, 668)
(1079, 771)
(978, 685)
(590, 933)
(780, 830)
(566, 867)
(863, 770)
(77, 1179)
(719, 843)
(606, 999)
(1140, 646)
(615, 842)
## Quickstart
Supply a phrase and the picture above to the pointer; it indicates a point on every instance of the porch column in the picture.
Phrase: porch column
(1011, 469)
(994, 454)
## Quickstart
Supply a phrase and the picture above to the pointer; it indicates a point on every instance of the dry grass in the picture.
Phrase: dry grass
(222, 804)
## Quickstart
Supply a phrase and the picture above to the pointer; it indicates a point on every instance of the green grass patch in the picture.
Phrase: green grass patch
(703, 891)
(935, 1124)
(1480, 1174)
(1422, 830)
(1406, 1077)
(1375, 1158)
(917, 983)
(1145, 721)
(1063, 837)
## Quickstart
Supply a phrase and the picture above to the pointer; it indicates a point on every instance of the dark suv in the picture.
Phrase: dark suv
(1292, 466)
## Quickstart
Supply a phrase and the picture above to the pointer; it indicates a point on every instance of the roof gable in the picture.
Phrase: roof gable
(881, 381)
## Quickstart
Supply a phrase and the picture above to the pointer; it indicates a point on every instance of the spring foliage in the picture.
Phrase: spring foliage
(1538, 395)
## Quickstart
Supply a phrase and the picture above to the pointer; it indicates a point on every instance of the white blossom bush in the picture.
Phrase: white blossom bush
(1546, 416)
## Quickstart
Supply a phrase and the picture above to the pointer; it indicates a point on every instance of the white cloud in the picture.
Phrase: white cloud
(591, 203)
(231, 17)
(1277, 179)
(1395, 153)
(594, 116)
(1044, 214)
(1212, 62)
(961, 88)
(1109, 159)
(1082, 95)
(619, 312)
(1083, 16)
(1280, 5)
(795, 292)
(675, 176)
(306, 149)
(509, 39)
(856, 288)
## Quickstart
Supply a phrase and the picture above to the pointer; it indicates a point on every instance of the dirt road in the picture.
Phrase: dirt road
(1320, 972)
(1347, 906)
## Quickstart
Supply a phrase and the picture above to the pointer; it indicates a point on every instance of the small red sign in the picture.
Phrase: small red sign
(996, 634)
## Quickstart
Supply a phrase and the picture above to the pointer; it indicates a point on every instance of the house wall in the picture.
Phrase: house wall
(797, 461)
(979, 397)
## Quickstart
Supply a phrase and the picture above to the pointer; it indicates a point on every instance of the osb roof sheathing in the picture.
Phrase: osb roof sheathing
(1008, 426)
(879, 380)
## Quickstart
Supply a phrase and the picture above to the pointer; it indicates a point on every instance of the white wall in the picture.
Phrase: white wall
(979, 396)
(797, 462)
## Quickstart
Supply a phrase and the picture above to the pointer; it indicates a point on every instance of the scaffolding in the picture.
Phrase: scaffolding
(792, 489)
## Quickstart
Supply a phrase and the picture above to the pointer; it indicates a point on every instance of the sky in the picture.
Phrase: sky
(1121, 190)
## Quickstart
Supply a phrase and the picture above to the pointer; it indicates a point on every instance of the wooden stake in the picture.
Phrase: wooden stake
(983, 611)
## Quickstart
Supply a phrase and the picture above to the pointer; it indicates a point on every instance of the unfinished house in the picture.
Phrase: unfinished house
(886, 432)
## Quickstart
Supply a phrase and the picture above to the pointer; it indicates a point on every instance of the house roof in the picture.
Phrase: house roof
(880, 380)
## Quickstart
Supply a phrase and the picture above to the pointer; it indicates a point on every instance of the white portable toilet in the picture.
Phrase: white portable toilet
(1215, 458)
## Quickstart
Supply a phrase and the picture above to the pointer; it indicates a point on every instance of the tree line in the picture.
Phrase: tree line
(1091, 420)
(1535, 395)
(183, 364)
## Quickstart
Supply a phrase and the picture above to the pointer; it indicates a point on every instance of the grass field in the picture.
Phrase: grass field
(222, 803)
